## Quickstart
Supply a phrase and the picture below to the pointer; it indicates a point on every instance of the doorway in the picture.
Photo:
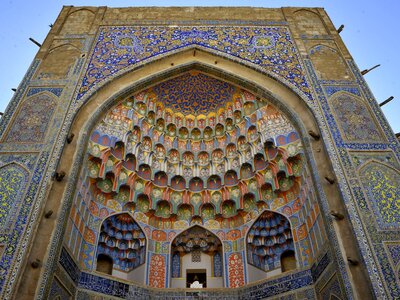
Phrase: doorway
(196, 278)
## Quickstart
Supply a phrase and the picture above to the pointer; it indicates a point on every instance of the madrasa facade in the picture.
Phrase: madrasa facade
(197, 153)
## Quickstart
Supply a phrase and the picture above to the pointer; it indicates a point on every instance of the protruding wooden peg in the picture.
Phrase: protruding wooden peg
(70, 137)
(353, 261)
(314, 135)
(363, 72)
(36, 263)
(386, 101)
(59, 175)
(48, 214)
(35, 42)
(330, 179)
(337, 215)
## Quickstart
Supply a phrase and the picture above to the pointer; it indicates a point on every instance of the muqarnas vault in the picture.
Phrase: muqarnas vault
(186, 153)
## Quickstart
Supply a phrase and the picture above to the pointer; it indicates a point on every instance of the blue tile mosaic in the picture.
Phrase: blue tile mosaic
(35, 90)
(137, 44)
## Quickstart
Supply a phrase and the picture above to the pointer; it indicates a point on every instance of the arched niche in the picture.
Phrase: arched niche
(121, 248)
(58, 62)
(328, 63)
(270, 246)
(33, 119)
(78, 22)
(288, 261)
(104, 264)
(196, 255)
(354, 119)
(309, 22)
(267, 87)
(381, 183)
(179, 198)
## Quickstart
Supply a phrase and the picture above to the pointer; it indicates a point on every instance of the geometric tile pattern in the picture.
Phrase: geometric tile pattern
(217, 265)
(269, 47)
(58, 291)
(235, 270)
(332, 290)
(157, 268)
(202, 93)
(176, 265)
(13, 180)
(354, 119)
(32, 121)
(394, 250)
(382, 185)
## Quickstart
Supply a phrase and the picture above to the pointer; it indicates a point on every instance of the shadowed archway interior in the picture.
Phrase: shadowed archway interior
(195, 150)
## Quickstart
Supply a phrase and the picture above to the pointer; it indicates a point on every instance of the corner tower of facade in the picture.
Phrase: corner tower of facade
(168, 153)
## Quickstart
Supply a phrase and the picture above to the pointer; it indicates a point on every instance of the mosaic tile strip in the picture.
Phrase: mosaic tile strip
(318, 268)
(281, 285)
(118, 48)
(28, 160)
(36, 90)
(57, 290)
(332, 89)
(103, 285)
(69, 265)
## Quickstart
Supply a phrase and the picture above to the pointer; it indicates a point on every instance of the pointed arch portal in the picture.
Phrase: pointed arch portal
(196, 256)
(211, 166)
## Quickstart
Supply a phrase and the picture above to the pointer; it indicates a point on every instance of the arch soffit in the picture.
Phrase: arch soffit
(102, 101)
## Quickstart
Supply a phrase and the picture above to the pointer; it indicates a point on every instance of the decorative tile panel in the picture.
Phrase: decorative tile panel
(32, 121)
(118, 48)
(381, 183)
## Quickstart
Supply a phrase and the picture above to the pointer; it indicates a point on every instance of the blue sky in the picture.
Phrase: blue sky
(371, 34)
